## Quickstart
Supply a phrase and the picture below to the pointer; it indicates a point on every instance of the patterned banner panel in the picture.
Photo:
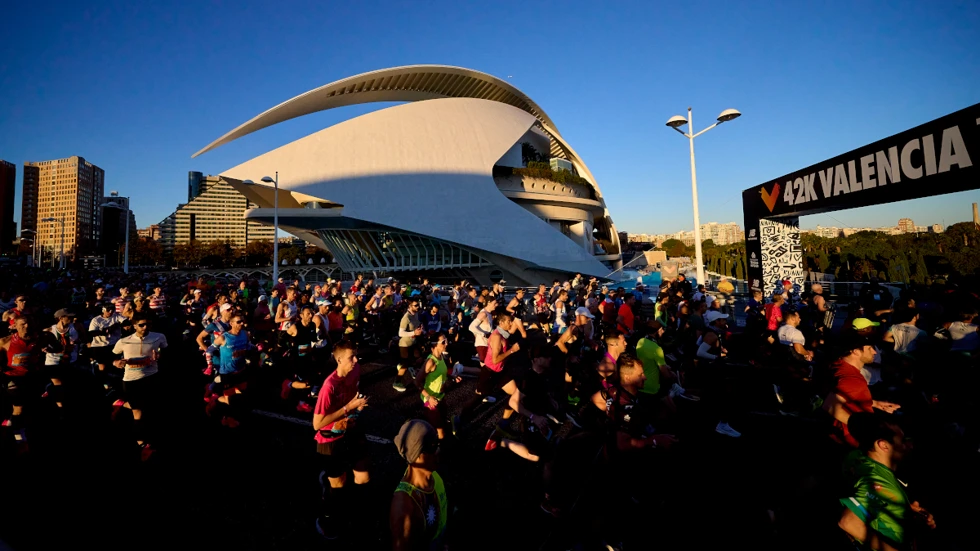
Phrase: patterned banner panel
(782, 253)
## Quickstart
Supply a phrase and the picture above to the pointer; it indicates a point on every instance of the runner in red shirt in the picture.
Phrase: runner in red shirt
(851, 393)
(624, 319)
(20, 376)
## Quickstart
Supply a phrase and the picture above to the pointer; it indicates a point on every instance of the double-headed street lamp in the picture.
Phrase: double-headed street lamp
(61, 265)
(114, 205)
(275, 223)
(676, 122)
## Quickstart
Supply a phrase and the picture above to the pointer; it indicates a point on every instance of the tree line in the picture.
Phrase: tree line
(914, 258)
(220, 253)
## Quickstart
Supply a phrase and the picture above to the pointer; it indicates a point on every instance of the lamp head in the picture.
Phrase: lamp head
(676, 121)
(248, 182)
(728, 115)
(268, 180)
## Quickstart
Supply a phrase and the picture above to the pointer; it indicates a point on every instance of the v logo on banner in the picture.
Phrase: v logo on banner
(770, 198)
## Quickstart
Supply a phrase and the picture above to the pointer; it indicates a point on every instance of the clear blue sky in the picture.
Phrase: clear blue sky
(137, 87)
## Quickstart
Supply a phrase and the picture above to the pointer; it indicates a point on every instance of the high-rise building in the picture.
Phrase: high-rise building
(28, 199)
(193, 184)
(114, 220)
(216, 213)
(8, 183)
(906, 225)
(68, 190)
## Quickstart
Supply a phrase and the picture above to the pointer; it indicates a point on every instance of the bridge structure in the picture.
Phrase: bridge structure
(306, 272)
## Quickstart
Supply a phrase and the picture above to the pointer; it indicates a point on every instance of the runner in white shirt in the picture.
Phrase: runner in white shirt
(140, 354)
(105, 330)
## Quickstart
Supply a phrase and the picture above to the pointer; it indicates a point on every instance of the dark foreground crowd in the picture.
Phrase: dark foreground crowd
(578, 366)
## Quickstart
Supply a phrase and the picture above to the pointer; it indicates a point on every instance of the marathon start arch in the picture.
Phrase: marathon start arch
(935, 158)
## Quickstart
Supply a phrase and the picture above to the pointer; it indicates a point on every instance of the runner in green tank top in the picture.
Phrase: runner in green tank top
(434, 378)
(419, 506)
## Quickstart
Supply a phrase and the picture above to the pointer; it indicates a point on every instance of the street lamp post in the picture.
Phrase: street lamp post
(114, 205)
(676, 122)
(61, 264)
(275, 223)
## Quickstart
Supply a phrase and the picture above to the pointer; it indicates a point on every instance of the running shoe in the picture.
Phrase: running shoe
(724, 428)
(398, 386)
(412, 372)
(494, 441)
(455, 424)
(286, 389)
(490, 399)
(779, 395)
(117, 408)
(212, 405)
(553, 419)
(548, 507)
(303, 407)
(677, 391)
(327, 528)
(573, 420)
(146, 452)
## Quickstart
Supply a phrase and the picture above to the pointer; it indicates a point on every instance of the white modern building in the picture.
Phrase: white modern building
(436, 184)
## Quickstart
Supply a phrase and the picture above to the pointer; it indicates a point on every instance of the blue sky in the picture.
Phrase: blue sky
(137, 88)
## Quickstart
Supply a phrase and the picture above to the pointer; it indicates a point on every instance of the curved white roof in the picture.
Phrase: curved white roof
(408, 83)
(426, 168)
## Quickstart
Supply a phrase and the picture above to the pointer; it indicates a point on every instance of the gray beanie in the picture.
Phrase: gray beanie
(415, 435)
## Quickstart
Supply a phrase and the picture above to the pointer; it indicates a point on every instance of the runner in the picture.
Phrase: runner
(288, 310)
(419, 508)
(216, 327)
(851, 394)
(340, 442)
(432, 381)
(496, 374)
(105, 329)
(140, 355)
(234, 344)
(878, 513)
(408, 329)
(60, 345)
(21, 377)
(301, 337)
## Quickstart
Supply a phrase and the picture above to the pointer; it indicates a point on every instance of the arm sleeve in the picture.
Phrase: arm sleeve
(403, 330)
(703, 352)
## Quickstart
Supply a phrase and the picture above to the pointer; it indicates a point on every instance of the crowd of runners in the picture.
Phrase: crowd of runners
(590, 378)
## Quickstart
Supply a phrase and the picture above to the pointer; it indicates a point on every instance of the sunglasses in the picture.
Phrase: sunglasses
(139, 325)
(237, 322)
(443, 342)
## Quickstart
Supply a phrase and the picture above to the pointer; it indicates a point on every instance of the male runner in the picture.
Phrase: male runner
(419, 508)
(408, 329)
(340, 443)
(878, 513)
(140, 353)
(105, 330)
(60, 345)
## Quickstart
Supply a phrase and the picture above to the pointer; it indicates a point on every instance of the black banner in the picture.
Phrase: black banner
(935, 158)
